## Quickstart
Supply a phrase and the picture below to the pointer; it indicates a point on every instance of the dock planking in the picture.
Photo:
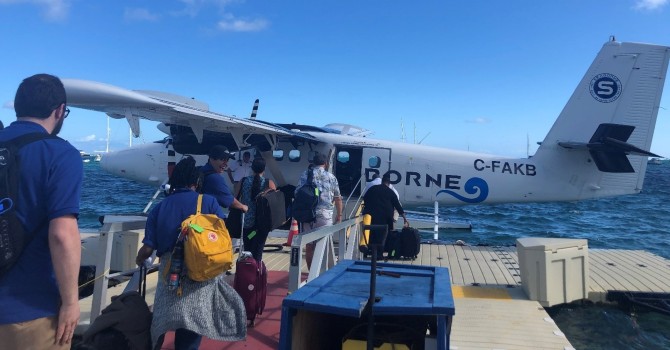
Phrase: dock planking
(494, 322)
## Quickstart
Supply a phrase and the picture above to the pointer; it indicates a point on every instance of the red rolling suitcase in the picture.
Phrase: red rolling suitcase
(251, 281)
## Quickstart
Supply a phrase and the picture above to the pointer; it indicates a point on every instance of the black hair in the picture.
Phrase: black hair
(38, 96)
(319, 159)
(258, 166)
(185, 174)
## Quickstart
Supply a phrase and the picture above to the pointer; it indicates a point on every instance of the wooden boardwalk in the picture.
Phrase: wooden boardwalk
(492, 310)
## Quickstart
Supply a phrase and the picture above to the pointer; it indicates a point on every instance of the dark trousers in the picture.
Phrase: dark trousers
(183, 340)
(256, 243)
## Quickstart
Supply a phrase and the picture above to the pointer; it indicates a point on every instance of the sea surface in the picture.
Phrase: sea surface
(628, 222)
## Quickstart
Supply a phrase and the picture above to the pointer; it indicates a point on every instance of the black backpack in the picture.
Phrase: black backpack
(13, 239)
(306, 199)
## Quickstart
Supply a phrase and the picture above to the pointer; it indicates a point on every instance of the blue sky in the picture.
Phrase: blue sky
(473, 75)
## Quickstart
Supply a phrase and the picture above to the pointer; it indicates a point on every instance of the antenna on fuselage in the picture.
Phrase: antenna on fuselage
(254, 111)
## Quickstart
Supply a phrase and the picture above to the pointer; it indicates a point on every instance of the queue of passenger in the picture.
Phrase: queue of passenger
(41, 309)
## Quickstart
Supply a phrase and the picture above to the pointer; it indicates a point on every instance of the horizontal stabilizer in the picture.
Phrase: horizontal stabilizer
(608, 148)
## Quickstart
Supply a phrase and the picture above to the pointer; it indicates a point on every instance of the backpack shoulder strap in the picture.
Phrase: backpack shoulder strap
(310, 175)
(199, 205)
(23, 140)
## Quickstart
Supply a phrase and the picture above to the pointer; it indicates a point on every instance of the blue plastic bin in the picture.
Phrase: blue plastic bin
(317, 315)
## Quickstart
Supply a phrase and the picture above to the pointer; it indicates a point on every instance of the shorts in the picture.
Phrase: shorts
(35, 334)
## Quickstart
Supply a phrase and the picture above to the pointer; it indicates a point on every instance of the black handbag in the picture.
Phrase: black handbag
(234, 223)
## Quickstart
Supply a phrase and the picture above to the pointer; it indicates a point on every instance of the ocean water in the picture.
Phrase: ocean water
(627, 222)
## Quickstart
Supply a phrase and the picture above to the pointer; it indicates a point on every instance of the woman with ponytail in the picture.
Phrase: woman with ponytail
(252, 186)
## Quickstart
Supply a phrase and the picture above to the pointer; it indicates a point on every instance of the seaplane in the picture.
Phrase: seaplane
(597, 147)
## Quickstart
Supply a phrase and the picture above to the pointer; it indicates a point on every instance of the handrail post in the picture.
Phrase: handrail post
(437, 213)
(101, 269)
(105, 244)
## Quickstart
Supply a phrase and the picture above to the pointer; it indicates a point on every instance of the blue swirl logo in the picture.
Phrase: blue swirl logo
(605, 87)
(475, 186)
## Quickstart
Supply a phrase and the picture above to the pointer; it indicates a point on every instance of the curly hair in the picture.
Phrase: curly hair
(185, 174)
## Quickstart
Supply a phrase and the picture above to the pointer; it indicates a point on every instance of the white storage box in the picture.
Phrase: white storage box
(124, 250)
(554, 270)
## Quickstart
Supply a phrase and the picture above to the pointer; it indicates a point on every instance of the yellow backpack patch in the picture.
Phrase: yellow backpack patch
(208, 249)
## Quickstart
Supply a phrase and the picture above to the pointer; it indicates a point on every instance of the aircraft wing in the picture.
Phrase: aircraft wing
(166, 108)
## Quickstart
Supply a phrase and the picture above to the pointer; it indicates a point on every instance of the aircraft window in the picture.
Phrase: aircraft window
(374, 162)
(294, 155)
(278, 154)
(343, 157)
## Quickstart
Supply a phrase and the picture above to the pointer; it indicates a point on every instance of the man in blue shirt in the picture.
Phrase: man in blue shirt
(214, 184)
(39, 296)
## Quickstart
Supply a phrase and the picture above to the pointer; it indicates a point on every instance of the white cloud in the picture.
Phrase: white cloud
(8, 104)
(140, 14)
(228, 22)
(239, 25)
(88, 138)
(650, 4)
(52, 10)
(478, 120)
(193, 7)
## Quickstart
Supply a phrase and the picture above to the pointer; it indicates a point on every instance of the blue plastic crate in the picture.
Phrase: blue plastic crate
(403, 290)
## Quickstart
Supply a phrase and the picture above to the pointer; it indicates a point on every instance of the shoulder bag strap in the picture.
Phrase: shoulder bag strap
(199, 206)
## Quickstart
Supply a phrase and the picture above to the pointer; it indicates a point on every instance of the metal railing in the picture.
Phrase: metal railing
(347, 234)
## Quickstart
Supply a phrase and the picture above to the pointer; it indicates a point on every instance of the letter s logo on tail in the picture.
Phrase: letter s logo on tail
(605, 87)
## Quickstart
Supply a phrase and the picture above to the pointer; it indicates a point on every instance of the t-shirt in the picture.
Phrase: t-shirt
(329, 189)
(239, 169)
(50, 187)
(215, 185)
(379, 202)
(164, 221)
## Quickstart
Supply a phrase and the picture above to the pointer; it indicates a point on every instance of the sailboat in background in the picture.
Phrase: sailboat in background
(98, 155)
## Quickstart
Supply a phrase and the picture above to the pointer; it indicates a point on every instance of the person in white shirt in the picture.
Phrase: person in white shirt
(239, 169)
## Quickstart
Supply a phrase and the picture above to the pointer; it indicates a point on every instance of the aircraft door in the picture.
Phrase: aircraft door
(375, 161)
(347, 170)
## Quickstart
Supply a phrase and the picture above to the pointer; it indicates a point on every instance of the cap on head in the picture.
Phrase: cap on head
(220, 152)
(319, 159)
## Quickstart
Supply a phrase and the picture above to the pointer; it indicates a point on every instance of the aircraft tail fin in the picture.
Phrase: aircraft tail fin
(604, 133)
(254, 111)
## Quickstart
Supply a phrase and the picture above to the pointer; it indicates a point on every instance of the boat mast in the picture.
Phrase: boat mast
(107, 140)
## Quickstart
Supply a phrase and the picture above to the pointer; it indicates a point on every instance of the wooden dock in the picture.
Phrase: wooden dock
(492, 310)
